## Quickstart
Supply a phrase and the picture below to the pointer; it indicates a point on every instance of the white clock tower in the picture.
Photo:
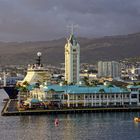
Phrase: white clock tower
(72, 60)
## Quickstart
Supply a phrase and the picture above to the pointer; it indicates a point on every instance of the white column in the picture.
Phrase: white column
(95, 98)
(122, 100)
(92, 100)
(84, 101)
(73, 100)
(68, 100)
(130, 98)
(76, 101)
(19, 99)
(107, 100)
(137, 98)
(99, 99)
(115, 99)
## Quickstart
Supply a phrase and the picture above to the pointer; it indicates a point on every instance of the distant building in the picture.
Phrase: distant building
(72, 60)
(109, 69)
(137, 71)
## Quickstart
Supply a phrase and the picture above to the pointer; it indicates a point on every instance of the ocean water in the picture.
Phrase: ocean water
(87, 126)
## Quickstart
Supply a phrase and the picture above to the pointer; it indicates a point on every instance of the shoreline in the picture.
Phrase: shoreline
(9, 110)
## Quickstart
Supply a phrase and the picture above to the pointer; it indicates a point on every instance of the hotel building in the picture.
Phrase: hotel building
(109, 69)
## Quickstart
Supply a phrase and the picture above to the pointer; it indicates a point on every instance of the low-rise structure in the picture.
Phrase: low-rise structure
(83, 96)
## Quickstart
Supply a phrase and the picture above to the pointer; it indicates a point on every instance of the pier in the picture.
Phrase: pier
(11, 109)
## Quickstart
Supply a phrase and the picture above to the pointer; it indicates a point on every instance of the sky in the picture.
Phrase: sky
(40, 20)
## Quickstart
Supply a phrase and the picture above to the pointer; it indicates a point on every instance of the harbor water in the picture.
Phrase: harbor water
(86, 126)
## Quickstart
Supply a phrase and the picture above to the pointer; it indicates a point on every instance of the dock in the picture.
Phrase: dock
(10, 109)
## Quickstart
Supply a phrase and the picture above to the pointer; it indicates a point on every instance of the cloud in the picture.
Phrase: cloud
(23, 20)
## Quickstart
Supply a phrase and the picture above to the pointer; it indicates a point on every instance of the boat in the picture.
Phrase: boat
(137, 119)
(56, 122)
(10, 86)
(35, 73)
(12, 91)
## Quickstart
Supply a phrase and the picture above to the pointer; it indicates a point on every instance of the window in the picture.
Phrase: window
(134, 103)
(133, 96)
(134, 89)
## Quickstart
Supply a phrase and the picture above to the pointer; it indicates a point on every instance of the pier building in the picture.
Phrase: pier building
(83, 96)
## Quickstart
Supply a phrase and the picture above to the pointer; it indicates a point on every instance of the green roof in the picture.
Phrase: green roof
(75, 89)
(132, 86)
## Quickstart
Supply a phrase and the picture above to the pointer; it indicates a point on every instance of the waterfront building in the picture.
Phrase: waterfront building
(109, 69)
(83, 96)
(135, 94)
(72, 60)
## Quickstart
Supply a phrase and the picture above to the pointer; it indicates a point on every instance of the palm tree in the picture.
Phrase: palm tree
(94, 82)
(23, 87)
(86, 81)
(102, 90)
(65, 83)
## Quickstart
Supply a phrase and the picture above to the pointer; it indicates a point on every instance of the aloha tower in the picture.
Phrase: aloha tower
(72, 60)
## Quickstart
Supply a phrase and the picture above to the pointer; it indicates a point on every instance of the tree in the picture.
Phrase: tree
(65, 83)
(102, 90)
(23, 87)
(94, 82)
(86, 81)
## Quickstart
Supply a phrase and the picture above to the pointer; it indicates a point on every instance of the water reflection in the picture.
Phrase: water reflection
(102, 126)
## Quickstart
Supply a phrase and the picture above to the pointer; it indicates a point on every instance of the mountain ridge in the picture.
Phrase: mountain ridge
(92, 50)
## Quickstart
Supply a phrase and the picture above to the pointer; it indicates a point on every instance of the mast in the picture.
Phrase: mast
(4, 79)
(38, 60)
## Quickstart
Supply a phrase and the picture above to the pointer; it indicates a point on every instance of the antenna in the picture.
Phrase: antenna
(72, 27)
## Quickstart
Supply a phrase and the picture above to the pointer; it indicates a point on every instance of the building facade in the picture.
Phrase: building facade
(81, 96)
(72, 60)
(109, 69)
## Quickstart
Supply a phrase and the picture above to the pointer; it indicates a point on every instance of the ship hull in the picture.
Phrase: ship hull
(11, 91)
